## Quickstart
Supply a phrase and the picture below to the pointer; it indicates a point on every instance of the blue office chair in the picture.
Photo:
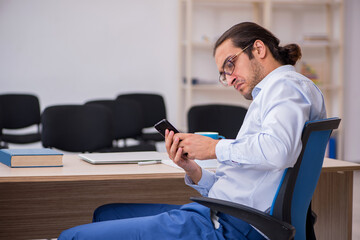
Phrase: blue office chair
(291, 210)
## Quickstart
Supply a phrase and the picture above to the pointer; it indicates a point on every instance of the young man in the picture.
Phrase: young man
(250, 59)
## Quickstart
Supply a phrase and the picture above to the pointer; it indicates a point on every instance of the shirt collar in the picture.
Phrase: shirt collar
(262, 83)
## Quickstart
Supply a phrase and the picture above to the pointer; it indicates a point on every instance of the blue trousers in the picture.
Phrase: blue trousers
(160, 221)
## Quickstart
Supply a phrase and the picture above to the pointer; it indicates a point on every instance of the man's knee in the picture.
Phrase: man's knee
(75, 233)
(91, 231)
(104, 213)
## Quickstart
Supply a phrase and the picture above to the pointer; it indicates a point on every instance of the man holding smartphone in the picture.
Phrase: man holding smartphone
(250, 59)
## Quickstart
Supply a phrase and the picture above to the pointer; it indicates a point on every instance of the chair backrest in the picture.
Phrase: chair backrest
(153, 106)
(293, 198)
(77, 128)
(127, 116)
(1, 124)
(225, 119)
(19, 110)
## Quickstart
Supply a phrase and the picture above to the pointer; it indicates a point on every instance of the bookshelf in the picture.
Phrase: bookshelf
(317, 26)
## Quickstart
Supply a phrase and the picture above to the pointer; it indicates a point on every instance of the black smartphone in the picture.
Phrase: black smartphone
(163, 125)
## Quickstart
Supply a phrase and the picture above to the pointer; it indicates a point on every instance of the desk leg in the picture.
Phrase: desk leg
(332, 202)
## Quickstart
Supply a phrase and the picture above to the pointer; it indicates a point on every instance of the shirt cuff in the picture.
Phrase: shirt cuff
(207, 180)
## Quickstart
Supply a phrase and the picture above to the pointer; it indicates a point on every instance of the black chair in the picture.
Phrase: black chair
(20, 111)
(127, 122)
(290, 216)
(1, 143)
(224, 119)
(77, 128)
(154, 110)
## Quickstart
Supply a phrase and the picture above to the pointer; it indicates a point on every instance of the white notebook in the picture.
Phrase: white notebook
(123, 157)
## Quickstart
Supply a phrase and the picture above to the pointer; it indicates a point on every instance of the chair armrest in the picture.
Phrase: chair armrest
(267, 224)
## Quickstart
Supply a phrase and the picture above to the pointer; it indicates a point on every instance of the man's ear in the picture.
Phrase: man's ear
(260, 49)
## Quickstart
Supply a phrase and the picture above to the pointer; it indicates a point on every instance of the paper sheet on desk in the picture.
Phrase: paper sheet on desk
(207, 164)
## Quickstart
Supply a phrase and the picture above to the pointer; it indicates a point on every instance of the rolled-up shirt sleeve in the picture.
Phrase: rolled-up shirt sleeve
(206, 182)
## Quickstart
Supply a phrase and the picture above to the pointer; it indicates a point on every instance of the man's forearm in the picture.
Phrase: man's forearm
(195, 175)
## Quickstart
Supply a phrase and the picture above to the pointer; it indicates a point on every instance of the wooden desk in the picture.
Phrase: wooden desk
(333, 200)
(41, 202)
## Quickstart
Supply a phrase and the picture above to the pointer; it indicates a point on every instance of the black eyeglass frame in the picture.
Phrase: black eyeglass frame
(230, 61)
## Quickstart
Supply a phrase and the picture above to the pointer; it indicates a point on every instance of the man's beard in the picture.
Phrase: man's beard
(257, 76)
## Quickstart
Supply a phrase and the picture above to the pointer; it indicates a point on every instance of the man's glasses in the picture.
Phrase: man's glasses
(229, 67)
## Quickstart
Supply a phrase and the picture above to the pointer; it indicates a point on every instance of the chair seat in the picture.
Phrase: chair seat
(21, 139)
(272, 227)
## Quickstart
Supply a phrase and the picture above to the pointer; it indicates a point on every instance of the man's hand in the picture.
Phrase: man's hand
(184, 148)
(176, 153)
(197, 146)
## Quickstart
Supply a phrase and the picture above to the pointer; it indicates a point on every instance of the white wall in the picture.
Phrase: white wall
(70, 51)
(351, 119)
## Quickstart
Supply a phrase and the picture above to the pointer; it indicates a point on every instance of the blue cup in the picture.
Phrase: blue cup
(213, 135)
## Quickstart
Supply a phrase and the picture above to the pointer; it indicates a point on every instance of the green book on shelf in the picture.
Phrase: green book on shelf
(39, 157)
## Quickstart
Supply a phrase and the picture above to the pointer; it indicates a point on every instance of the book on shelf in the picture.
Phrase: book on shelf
(37, 157)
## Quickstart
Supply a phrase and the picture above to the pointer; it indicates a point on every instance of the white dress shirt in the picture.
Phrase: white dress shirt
(269, 141)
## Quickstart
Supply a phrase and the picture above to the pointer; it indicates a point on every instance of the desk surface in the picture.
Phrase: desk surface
(75, 169)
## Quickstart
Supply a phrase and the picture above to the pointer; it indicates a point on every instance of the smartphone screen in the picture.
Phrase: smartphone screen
(163, 125)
